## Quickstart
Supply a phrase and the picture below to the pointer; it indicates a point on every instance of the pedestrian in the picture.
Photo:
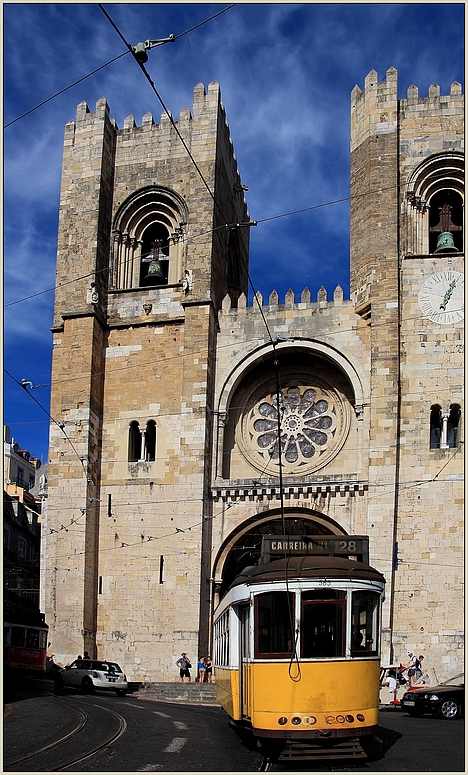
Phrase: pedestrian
(412, 668)
(209, 670)
(86, 655)
(79, 656)
(419, 668)
(201, 670)
(184, 664)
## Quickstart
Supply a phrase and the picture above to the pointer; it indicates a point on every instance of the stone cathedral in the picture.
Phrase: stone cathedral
(164, 464)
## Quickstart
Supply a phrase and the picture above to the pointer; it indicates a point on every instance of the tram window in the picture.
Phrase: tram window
(32, 639)
(42, 639)
(364, 623)
(324, 594)
(322, 626)
(18, 636)
(273, 633)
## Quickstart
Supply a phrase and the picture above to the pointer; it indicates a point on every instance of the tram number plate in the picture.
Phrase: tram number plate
(324, 583)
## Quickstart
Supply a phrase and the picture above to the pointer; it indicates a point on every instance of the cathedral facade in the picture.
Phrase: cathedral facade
(164, 467)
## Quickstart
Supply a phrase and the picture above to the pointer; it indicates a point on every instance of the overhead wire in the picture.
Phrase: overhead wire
(101, 67)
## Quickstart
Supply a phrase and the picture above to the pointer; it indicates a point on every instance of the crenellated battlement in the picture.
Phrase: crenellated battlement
(204, 102)
(289, 301)
(376, 110)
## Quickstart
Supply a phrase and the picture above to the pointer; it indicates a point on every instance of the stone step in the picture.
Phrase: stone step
(203, 694)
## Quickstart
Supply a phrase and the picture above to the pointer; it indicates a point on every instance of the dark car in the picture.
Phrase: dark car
(89, 674)
(445, 700)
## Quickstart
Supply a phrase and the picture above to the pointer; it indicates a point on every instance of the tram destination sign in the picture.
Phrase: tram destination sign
(337, 546)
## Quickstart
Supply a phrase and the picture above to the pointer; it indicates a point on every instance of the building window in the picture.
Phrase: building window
(434, 210)
(452, 424)
(436, 426)
(21, 549)
(134, 442)
(141, 443)
(148, 244)
(444, 426)
(20, 477)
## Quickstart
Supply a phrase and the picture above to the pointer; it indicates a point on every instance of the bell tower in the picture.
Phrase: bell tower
(407, 201)
(152, 236)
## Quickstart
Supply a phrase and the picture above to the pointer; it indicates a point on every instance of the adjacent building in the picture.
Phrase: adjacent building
(164, 474)
(21, 534)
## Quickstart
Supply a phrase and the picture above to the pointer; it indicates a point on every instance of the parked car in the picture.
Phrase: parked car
(91, 674)
(445, 700)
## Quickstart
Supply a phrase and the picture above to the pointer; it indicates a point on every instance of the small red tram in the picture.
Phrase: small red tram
(25, 644)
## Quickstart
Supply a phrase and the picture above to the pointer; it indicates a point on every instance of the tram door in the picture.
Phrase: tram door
(244, 661)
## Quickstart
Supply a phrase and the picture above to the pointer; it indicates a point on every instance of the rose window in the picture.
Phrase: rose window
(309, 424)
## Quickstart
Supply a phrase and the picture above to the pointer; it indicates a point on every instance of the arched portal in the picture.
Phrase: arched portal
(243, 546)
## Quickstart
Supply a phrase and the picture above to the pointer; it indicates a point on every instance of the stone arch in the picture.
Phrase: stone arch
(242, 546)
(338, 383)
(436, 183)
(154, 213)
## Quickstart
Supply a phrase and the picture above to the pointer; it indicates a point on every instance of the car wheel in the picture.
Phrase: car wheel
(449, 709)
(121, 692)
(58, 684)
(87, 685)
(414, 711)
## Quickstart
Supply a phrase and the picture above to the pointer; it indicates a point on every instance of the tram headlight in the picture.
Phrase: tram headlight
(360, 717)
(282, 720)
(296, 720)
(350, 718)
(340, 719)
(330, 719)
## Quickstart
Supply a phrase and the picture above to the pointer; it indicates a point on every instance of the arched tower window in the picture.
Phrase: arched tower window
(134, 442)
(150, 440)
(147, 248)
(141, 444)
(435, 205)
(452, 424)
(436, 426)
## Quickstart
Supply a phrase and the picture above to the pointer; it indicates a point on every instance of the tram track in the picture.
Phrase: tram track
(43, 758)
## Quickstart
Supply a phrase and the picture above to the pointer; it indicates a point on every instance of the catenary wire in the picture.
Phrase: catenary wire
(101, 67)
(208, 232)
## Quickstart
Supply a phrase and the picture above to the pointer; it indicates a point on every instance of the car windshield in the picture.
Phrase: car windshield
(108, 667)
(458, 680)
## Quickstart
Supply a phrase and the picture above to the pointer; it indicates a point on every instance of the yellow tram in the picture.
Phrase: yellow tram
(297, 641)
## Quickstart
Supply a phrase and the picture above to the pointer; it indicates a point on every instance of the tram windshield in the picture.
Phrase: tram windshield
(364, 623)
(323, 623)
(273, 633)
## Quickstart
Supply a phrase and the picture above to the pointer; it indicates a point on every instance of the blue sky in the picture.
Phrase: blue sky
(286, 72)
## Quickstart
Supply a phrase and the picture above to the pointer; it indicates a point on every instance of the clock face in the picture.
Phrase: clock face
(441, 297)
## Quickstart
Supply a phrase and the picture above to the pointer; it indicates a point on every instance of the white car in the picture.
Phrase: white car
(91, 674)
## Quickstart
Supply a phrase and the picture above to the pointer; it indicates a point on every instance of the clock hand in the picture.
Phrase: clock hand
(448, 294)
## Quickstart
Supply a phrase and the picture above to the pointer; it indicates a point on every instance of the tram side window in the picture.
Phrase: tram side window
(17, 636)
(323, 624)
(222, 640)
(32, 639)
(273, 634)
(364, 623)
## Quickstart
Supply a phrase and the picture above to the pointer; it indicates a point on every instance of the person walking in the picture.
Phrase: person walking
(184, 667)
(414, 668)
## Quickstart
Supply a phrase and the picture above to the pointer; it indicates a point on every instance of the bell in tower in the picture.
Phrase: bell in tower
(155, 274)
